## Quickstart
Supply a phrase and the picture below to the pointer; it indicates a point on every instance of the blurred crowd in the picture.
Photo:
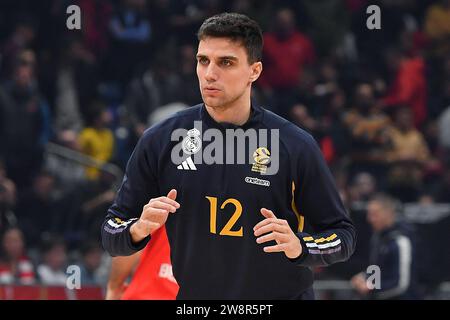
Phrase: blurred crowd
(376, 101)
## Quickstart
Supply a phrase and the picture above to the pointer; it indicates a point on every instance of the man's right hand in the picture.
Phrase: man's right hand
(154, 215)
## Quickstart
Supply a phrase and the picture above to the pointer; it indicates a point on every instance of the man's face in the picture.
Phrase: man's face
(364, 97)
(223, 71)
(378, 216)
(23, 76)
(405, 119)
(13, 243)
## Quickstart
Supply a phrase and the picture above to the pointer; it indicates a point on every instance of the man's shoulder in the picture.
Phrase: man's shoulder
(177, 120)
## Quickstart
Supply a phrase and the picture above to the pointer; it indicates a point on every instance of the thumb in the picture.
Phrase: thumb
(267, 213)
(172, 194)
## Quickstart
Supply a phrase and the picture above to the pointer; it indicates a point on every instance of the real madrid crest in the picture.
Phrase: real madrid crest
(192, 142)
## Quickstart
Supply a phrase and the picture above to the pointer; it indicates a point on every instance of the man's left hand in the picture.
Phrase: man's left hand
(278, 230)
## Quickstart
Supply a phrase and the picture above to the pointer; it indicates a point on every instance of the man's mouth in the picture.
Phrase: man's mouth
(210, 90)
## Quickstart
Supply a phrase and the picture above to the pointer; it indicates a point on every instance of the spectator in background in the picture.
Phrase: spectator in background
(285, 54)
(306, 87)
(338, 145)
(130, 37)
(68, 173)
(90, 265)
(394, 17)
(142, 97)
(363, 187)
(20, 39)
(407, 156)
(156, 87)
(408, 86)
(76, 84)
(329, 22)
(96, 16)
(190, 94)
(15, 266)
(24, 122)
(96, 197)
(393, 251)
(367, 127)
(37, 207)
(186, 16)
(52, 270)
(437, 27)
(97, 140)
(321, 87)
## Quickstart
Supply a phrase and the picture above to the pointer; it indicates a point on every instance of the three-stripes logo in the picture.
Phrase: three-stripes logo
(187, 164)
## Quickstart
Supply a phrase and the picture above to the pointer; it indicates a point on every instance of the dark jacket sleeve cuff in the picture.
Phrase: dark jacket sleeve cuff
(136, 246)
(304, 253)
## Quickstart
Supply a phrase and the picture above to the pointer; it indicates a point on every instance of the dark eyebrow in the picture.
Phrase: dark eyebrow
(229, 58)
(220, 58)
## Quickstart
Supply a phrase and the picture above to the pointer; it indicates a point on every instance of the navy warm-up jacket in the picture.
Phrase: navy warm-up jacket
(213, 248)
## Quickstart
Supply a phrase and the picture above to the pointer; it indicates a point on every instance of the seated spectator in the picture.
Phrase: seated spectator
(393, 251)
(407, 156)
(97, 140)
(15, 266)
(367, 127)
(91, 263)
(52, 270)
(37, 206)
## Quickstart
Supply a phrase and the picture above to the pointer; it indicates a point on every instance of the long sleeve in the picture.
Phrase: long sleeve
(138, 187)
(332, 237)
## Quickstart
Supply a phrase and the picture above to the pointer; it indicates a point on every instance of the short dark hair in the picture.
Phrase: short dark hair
(237, 27)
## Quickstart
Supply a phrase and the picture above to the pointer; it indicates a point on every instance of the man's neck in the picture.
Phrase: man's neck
(236, 114)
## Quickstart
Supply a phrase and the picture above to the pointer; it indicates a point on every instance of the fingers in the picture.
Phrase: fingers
(161, 205)
(269, 228)
(268, 221)
(278, 230)
(267, 213)
(276, 248)
(172, 194)
(276, 236)
(154, 211)
(165, 200)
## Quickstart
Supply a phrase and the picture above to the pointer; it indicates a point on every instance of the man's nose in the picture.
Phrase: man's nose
(211, 73)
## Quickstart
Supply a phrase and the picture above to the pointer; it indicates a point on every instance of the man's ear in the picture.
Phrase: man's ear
(256, 71)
